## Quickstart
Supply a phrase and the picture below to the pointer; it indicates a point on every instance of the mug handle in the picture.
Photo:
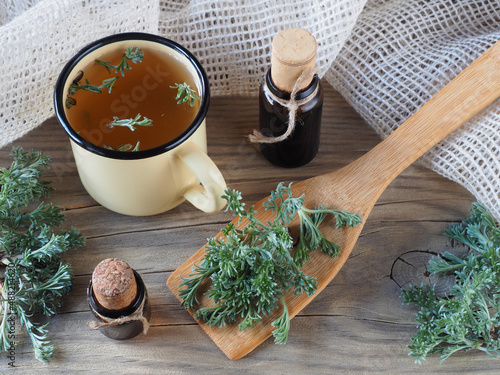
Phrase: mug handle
(207, 196)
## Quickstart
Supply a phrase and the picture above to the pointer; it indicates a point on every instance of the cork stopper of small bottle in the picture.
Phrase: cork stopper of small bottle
(293, 52)
(114, 284)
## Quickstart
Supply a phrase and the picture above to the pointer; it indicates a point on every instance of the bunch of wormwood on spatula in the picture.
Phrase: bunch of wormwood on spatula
(250, 269)
(33, 277)
(468, 316)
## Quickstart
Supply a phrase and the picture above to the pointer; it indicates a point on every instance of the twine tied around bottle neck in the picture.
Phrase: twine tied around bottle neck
(136, 315)
(291, 105)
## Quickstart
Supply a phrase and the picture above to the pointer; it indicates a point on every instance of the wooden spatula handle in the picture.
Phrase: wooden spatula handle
(461, 99)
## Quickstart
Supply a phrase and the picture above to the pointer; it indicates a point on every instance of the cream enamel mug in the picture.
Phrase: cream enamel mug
(154, 180)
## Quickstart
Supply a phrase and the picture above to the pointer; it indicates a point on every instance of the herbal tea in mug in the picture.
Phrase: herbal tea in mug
(134, 107)
(132, 99)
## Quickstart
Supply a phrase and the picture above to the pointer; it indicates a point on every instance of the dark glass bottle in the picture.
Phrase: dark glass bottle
(112, 321)
(302, 145)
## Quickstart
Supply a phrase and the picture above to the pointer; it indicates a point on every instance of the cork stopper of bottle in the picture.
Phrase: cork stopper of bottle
(114, 284)
(293, 52)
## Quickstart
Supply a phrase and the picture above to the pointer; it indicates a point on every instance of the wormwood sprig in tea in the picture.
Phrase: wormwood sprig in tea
(250, 269)
(124, 147)
(134, 56)
(107, 83)
(185, 94)
(130, 54)
(130, 123)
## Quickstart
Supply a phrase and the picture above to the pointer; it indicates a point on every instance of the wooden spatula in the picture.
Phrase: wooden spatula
(357, 187)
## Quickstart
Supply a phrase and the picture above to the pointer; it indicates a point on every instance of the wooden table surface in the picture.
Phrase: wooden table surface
(357, 325)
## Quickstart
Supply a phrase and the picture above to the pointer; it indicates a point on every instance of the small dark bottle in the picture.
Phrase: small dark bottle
(293, 54)
(118, 299)
(303, 144)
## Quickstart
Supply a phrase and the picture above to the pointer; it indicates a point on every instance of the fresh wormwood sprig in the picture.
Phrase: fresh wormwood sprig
(468, 316)
(34, 277)
(250, 269)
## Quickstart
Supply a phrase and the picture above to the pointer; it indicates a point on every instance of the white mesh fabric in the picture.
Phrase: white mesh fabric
(233, 39)
(9, 9)
(401, 53)
(386, 57)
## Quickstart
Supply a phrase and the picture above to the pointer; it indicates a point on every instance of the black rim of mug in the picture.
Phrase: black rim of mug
(59, 97)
